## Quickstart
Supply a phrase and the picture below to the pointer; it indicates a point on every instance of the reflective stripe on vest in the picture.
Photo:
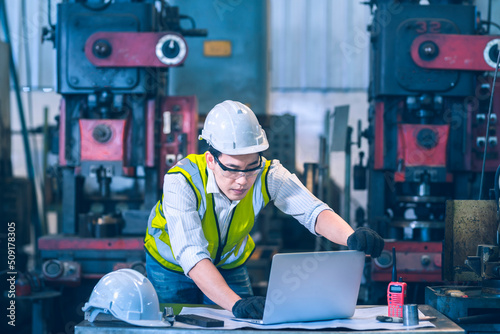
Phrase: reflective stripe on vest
(237, 246)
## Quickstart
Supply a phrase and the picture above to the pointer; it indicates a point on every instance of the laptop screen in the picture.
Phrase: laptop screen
(313, 286)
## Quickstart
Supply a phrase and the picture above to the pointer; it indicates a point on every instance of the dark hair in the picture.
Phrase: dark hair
(214, 152)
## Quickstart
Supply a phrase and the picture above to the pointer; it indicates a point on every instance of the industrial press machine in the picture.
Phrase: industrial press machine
(430, 129)
(119, 131)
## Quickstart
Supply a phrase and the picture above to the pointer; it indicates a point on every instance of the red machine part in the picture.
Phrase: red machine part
(135, 49)
(179, 131)
(23, 286)
(103, 139)
(421, 145)
(81, 265)
(413, 153)
(76, 243)
(455, 52)
(416, 262)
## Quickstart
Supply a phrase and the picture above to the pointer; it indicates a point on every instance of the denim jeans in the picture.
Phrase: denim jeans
(174, 287)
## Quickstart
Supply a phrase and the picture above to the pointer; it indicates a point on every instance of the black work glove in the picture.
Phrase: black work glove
(249, 307)
(366, 240)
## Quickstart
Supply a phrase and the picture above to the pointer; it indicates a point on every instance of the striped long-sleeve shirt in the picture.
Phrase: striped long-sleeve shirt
(184, 224)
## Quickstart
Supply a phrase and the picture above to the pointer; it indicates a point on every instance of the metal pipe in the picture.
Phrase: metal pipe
(44, 167)
(489, 17)
(347, 187)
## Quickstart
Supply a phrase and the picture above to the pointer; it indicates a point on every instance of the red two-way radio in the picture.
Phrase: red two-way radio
(396, 291)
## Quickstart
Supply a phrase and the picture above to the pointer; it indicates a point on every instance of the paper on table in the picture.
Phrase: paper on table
(363, 319)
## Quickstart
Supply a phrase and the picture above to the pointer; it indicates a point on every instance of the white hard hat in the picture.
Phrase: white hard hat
(232, 128)
(129, 296)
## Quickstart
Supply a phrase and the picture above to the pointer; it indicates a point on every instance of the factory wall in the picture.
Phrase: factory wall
(319, 60)
(26, 19)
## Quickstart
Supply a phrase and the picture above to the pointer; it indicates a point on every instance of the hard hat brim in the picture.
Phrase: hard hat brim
(149, 323)
(93, 314)
(244, 150)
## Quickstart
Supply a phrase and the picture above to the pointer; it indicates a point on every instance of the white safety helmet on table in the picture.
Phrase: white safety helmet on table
(127, 295)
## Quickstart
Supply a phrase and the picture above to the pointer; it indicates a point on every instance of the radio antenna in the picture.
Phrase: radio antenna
(394, 272)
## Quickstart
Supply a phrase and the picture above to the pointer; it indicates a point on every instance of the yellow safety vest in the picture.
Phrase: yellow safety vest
(238, 244)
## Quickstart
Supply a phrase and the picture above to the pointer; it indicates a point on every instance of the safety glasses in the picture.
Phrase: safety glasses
(234, 174)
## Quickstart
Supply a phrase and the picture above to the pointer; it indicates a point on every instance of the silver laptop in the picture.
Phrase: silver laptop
(312, 286)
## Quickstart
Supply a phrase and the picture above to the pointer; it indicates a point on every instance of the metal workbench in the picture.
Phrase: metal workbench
(443, 325)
